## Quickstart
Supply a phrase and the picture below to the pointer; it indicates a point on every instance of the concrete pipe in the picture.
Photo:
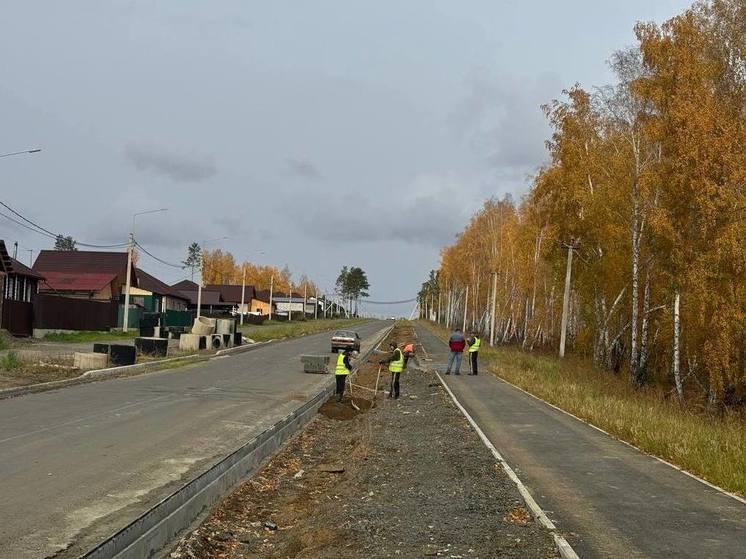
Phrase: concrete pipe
(225, 326)
(203, 326)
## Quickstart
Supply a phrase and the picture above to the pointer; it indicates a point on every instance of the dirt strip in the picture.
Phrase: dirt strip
(397, 478)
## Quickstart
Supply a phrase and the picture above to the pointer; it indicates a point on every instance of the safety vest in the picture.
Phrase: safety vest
(473, 348)
(341, 369)
(397, 365)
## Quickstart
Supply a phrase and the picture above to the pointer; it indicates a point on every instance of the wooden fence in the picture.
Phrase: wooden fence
(52, 312)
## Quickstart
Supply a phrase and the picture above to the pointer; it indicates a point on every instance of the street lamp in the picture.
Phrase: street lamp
(126, 317)
(202, 271)
(24, 152)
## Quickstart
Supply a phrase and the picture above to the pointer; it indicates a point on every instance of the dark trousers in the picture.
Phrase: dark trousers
(341, 380)
(394, 385)
(473, 357)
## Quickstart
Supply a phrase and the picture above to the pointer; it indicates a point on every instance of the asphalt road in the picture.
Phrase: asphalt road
(609, 499)
(77, 464)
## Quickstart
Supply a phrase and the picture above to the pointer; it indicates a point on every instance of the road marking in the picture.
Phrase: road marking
(564, 548)
(666, 462)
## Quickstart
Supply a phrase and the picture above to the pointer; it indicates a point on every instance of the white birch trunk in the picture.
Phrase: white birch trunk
(677, 345)
(565, 303)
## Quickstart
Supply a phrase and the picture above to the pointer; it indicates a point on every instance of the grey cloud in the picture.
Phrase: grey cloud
(502, 121)
(177, 167)
(430, 220)
(303, 168)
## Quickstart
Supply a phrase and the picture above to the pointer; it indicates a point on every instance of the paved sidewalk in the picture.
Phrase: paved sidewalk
(608, 499)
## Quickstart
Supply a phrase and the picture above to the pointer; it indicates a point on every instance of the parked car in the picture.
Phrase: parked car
(345, 339)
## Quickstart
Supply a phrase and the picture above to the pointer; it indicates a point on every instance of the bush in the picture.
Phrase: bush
(10, 361)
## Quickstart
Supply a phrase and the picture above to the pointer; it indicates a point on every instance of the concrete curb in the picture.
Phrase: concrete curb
(589, 424)
(153, 530)
(565, 549)
(88, 376)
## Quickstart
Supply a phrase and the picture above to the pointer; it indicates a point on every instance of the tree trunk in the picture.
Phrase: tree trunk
(642, 364)
(565, 303)
(677, 345)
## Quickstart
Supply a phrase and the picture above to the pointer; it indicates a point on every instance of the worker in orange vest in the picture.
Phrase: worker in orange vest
(408, 350)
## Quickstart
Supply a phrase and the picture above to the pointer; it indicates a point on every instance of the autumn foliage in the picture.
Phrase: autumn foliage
(646, 185)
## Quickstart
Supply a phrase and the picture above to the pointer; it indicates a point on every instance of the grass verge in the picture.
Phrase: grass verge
(711, 447)
(90, 336)
(276, 330)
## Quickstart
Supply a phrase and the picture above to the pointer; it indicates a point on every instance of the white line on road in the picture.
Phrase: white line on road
(564, 548)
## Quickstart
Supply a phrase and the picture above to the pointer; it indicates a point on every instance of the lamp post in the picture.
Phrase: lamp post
(126, 317)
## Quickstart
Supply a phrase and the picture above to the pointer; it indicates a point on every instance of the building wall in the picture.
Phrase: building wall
(261, 306)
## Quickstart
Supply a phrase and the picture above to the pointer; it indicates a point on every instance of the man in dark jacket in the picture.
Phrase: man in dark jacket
(456, 344)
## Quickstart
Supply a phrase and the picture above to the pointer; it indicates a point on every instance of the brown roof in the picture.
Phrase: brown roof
(232, 293)
(83, 261)
(208, 297)
(19, 269)
(64, 281)
(154, 285)
(185, 285)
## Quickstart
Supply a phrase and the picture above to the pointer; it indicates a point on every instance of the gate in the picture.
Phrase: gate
(18, 317)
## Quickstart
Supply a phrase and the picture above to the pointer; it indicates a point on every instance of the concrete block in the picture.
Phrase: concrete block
(89, 361)
(152, 346)
(191, 342)
(225, 326)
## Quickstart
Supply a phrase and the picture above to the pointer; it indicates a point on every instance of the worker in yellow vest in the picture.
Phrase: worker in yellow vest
(474, 344)
(343, 369)
(396, 366)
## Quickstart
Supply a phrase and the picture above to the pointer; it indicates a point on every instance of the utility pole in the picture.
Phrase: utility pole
(466, 307)
(290, 304)
(243, 290)
(30, 257)
(305, 297)
(126, 317)
(566, 302)
(199, 285)
(15, 250)
(271, 286)
(492, 312)
(316, 306)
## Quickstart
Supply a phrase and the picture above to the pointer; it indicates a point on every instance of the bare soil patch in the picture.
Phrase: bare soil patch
(397, 478)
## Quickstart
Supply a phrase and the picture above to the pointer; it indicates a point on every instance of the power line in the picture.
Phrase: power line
(179, 266)
(366, 302)
(47, 233)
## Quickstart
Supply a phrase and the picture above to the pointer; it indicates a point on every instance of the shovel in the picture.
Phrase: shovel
(352, 401)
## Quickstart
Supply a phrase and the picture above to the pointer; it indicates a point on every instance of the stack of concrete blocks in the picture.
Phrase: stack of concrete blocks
(207, 333)
(223, 337)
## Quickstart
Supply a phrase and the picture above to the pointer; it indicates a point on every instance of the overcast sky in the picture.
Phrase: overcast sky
(320, 133)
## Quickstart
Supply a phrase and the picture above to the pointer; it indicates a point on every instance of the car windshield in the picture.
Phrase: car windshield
(344, 334)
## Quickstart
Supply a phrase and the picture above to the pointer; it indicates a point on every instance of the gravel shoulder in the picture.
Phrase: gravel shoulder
(398, 478)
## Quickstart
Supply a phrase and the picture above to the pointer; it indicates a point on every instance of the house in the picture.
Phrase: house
(260, 302)
(211, 301)
(84, 274)
(155, 296)
(18, 288)
(234, 294)
(293, 302)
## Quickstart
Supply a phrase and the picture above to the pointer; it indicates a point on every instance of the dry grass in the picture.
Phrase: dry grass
(85, 336)
(277, 330)
(709, 446)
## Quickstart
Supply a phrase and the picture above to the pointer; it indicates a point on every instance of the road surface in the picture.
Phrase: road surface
(609, 499)
(81, 462)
